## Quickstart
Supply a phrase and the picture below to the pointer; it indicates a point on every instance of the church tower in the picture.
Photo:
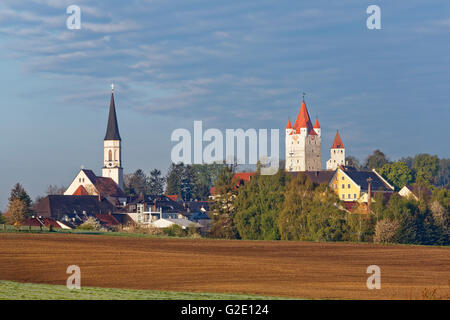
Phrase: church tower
(112, 166)
(303, 143)
(337, 152)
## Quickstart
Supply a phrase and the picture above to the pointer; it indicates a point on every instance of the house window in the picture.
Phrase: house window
(343, 178)
(348, 186)
(354, 195)
(343, 186)
(343, 196)
(140, 208)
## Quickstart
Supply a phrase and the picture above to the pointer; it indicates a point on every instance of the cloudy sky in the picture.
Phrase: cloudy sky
(232, 64)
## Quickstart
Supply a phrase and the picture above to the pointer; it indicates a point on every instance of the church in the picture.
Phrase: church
(110, 184)
(304, 143)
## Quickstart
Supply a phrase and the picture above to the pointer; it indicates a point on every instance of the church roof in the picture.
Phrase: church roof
(289, 125)
(316, 124)
(337, 143)
(105, 186)
(303, 119)
(112, 131)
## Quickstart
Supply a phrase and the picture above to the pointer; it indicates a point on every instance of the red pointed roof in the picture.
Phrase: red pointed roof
(337, 143)
(289, 125)
(317, 125)
(81, 191)
(303, 119)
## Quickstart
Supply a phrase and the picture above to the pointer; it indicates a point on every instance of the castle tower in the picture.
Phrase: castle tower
(337, 153)
(303, 143)
(112, 167)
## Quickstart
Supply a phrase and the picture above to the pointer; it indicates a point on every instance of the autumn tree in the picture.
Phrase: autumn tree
(17, 212)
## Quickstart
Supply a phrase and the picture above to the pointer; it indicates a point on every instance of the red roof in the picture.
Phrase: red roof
(317, 125)
(303, 119)
(289, 125)
(173, 197)
(45, 222)
(337, 144)
(81, 191)
(312, 133)
(243, 176)
(107, 219)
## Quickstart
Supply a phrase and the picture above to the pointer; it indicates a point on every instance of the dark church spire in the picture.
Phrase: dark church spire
(112, 131)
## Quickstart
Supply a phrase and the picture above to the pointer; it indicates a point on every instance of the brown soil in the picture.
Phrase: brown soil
(291, 269)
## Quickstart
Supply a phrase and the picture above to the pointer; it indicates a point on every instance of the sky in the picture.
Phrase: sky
(232, 64)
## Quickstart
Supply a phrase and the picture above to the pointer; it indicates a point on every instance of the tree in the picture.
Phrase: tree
(385, 231)
(18, 192)
(258, 204)
(156, 182)
(173, 179)
(397, 173)
(353, 162)
(310, 212)
(426, 167)
(91, 224)
(188, 178)
(223, 209)
(17, 211)
(376, 160)
(443, 175)
(55, 190)
(137, 183)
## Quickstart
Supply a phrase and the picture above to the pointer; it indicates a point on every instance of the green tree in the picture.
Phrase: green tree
(310, 212)
(376, 160)
(173, 179)
(353, 162)
(426, 167)
(443, 175)
(137, 183)
(156, 182)
(223, 208)
(258, 204)
(397, 173)
(18, 192)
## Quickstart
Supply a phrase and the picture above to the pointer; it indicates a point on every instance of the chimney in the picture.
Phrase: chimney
(99, 197)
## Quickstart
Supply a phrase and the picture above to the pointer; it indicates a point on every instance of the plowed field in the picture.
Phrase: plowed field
(291, 269)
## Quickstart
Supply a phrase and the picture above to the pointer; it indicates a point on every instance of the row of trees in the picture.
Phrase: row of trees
(422, 168)
(281, 207)
(189, 182)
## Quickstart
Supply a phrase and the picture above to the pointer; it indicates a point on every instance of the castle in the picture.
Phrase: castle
(304, 142)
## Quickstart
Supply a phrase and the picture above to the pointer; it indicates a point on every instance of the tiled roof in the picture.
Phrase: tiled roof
(337, 143)
(81, 191)
(173, 197)
(289, 125)
(243, 176)
(360, 178)
(105, 186)
(107, 220)
(303, 119)
(316, 124)
(56, 206)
